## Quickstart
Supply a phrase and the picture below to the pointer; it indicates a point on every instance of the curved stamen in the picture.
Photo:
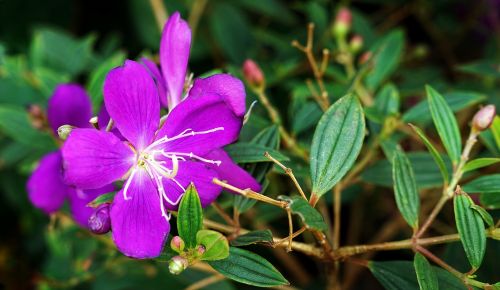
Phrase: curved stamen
(190, 155)
(183, 134)
(127, 184)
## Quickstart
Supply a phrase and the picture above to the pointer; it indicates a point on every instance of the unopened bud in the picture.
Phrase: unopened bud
(365, 57)
(64, 130)
(342, 23)
(253, 73)
(99, 221)
(94, 121)
(356, 43)
(177, 244)
(483, 118)
(36, 116)
(177, 264)
(201, 250)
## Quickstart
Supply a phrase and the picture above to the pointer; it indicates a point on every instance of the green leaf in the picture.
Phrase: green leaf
(490, 200)
(309, 215)
(456, 100)
(445, 123)
(484, 184)
(253, 237)
(479, 163)
(435, 154)
(386, 56)
(216, 245)
(484, 215)
(470, 229)
(306, 117)
(426, 171)
(190, 217)
(400, 275)
(387, 100)
(427, 278)
(485, 68)
(104, 198)
(250, 153)
(96, 79)
(337, 141)
(495, 131)
(405, 189)
(248, 268)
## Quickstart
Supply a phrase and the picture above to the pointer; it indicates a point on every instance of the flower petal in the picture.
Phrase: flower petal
(103, 121)
(69, 105)
(158, 78)
(225, 85)
(93, 158)
(199, 174)
(231, 172)
(209, 114)
(174, 54)
(79, 199)
(139, 229)
(132, 101)
(46, 188)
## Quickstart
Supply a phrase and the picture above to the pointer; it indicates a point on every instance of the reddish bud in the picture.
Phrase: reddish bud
(201, 250)
(36, 116)
(342, 23)
(177, 244)
(252, 73)
(365, 57)
(356, 43)
(483, 118)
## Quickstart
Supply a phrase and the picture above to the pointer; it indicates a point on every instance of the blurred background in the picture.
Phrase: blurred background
(451, 44)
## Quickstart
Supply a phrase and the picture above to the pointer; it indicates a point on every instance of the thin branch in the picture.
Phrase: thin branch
(206, 282)
(220, 211)
(160, 12)
(288, 171)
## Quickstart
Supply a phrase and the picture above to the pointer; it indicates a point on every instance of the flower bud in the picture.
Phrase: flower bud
(36, 116)
(99, 221)
(177, 264)
(177, 244)
(253, 74)
(64, 130)
(356, 43)
(342, 23)
(201, 250)
(365, 57)
(483, 118)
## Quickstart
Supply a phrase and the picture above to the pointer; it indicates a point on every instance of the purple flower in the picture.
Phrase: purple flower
(156, 163)
(174, 54)
(46, 187)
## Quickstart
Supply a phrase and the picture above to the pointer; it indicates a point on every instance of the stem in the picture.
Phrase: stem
(206, 282)
(160, 13)
(288, 171)
(195, 16)
(442, 201)
(220, 211)
(251, 194)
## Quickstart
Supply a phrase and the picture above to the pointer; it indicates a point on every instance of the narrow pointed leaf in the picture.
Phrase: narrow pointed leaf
(254, 237)
(251, 152)
(487, 218)
(435, 154)
(426, 277)
(470, 228)
(445, 123)
(480, 163)
(336, 143)
(484, 184)
(249, 268)
(309, 215)
(190, 217)
(405, 189)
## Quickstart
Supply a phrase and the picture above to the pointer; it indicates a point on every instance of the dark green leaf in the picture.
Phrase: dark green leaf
(308, 214)
(253, 237)
(251, 152)
(490, 200)
(484, 214)
(216, 245)
(435, 154)
(485, 68)
(387, 100)
(405, 189)
(484, 184)
(470, 228)
(306, 117)
(249, 268)
(104, 198)
(426, 277)
(445, 123)
(190, 217)
(480, 163)
(337, 141)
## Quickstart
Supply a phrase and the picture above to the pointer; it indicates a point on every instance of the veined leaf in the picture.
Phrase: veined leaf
(427, 278)
(480, 163)
(248, 268)
(336, 143)
(253, 237)
(405, 189)
(445, 123)
(490, 200)
(190, 217)
(484, 184)
(435, 154)
(470, 228)
(216, 245)
(251, 152)
(308, 214)
(484, 215)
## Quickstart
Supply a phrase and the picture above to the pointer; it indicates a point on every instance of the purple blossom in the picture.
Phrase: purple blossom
(46, 187)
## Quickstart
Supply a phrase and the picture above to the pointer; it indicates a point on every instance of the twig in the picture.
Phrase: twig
(251, 194)
(222, 213)
(160, 12)
(206, 282)
(196, 11)
(289, 172)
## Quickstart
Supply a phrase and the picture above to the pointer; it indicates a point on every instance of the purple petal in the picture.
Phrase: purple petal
(225, 85)
(79, 199)
(69, 105)
(174, 54)
(46, 188)
(199, 174)
(93, 159)
(231, 172)
(158, 78)
(139, 229)
(212, 120)
(132, 101)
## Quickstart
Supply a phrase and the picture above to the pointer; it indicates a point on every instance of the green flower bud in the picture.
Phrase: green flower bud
(177, 264)
(64, 131)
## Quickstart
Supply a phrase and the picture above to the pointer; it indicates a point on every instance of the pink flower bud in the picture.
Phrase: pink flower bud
(252, 73)
(177, 244)
(356, 43)
(483, 118)
(201, 250)
(365, 57)
(177, 264)
(343, 22)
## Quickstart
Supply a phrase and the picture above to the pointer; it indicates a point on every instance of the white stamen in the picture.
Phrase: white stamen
(127, 184)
